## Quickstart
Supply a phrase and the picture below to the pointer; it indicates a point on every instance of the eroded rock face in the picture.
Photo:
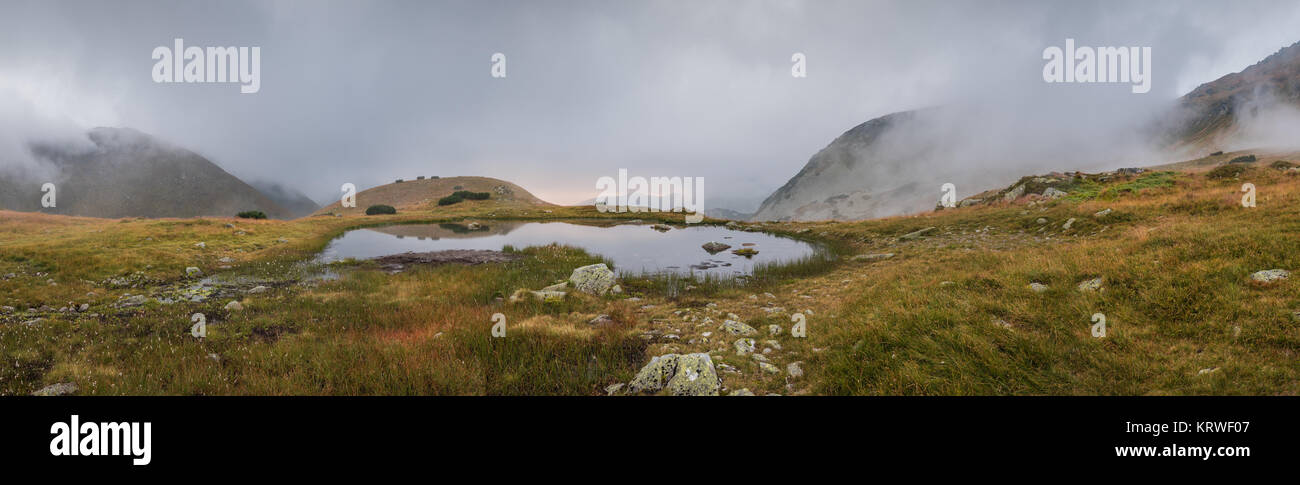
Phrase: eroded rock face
(596, 279)
(679, 375)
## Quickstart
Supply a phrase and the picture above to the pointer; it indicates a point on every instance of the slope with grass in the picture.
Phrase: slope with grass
(423, 194)
(941, 303)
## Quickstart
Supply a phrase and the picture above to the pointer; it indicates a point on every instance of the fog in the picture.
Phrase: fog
(368, 92)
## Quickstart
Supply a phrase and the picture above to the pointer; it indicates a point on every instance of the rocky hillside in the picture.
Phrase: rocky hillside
(126, 173)
(1217, 114)
(296, 203)
(425, 192)
(894, 164)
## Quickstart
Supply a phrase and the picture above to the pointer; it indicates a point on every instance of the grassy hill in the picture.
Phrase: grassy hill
(423, 194)
(984, 299)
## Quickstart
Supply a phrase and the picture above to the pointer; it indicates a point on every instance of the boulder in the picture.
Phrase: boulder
(744, 346)
(1053, 193)
(737, 328)
(193, 272)
(596, 279)
(680, 375)
(714, 247)
(234, 306)
(1270, 276)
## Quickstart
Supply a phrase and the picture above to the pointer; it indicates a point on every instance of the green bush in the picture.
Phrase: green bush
(472, 195)
(1244, 159)
(451, 199)
(1282, 165)
(380, 209)
(1225, 171)
(252, 215)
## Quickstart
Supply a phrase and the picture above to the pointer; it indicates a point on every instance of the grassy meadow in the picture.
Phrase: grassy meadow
(948, 313)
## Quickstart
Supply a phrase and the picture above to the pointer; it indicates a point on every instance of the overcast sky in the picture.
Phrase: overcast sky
(367, 92)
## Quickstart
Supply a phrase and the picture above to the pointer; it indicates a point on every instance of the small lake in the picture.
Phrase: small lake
(634, 248)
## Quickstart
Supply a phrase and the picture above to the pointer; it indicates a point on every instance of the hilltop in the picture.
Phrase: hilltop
(423, 194)
(125, 173)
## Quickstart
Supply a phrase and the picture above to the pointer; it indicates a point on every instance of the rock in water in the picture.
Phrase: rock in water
(1270, 275)
(681, 375)
(595, 279)
(714, 247)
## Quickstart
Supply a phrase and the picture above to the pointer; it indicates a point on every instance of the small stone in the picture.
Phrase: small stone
(774, 329)
(601, 320)
(1037, 287)
(60, 389)
(873, 257)
(1207, 371)
(744, 346)
(1270, 275)
(741, 392)
(795, 369)
(258, 289)
(736, 328)
(1103, 213)
(769, 368)
(83, 307)
(200, 245)
(918, 234)
(1068, 223)
(234, 306)
(1041, 221)
(1053, 193)
(1090, 285)
(193, 271)
(614, 389)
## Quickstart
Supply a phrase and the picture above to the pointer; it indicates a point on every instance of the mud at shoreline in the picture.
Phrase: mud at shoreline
(397, 262)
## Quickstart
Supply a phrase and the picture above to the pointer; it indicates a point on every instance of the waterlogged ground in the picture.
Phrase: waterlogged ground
(632, 248)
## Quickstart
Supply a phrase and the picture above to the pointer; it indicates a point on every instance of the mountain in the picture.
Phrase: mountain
(728, 214)
(424, 193)
(125, 173)
(895, 164)
(875, 169)
(1254, 106)
(294, 202)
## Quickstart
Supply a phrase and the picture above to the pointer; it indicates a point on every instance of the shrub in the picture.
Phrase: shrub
(398, 181)
(420, 177)
(1225, 171)
(252, 215)
(1244, 159)
(380, 209)
(472, 195)
(1215, 154)
(450, 199)
(1282, 165)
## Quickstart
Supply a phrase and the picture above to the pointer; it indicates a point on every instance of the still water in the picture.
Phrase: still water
(634, 248)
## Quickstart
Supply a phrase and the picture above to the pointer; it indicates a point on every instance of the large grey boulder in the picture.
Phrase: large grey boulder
(60, 389)
(680, 375)
(595, 279)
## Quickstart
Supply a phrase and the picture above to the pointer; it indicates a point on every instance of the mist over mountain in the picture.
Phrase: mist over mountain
(294, 202)
(897, 163)
(122, 172)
